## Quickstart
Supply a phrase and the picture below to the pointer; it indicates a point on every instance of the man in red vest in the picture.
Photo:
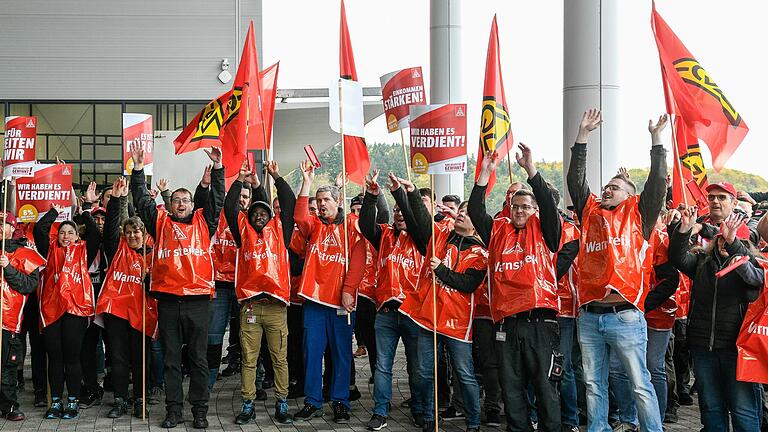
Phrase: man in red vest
(523, 291)
(182, 281)
(615, 253)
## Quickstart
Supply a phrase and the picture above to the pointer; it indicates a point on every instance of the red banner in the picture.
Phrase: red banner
(439, 138)
(400, 90)
(50, 184)
(137, 129)
(20, 140)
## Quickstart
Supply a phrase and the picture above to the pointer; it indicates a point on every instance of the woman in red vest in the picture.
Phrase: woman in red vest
(66, 304)
(122, 299)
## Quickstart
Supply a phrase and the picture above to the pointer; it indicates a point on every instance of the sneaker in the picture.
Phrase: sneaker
(340, 414)
(569, 428)
(281, 412)
(354, 394)
(626, 427)
(155, 396)
(138, 406)
(90, 396)
(452, 414)
(70, 409)
(15, 415)
(41, 400)
(261, 395)
(307, 413)
(55, 409)
(361, 352)
(685, 399)
(418, 420)
(172, 418)
(231, 369)
(492, 419)
(119, 408)
(246, 414)
(376, 422)
(199, 420)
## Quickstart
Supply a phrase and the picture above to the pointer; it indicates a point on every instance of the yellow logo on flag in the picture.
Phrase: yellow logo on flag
(693, 161)
(210, 121)
(233, 104)
(693, 73)
(494, 124)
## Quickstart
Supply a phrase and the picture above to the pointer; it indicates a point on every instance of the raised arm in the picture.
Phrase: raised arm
(113, 220)
(551, 222)
(144, 205)
(301, 212)
(285, 197)
(92, 237)
(212, 208)
(479, 216)
(232, 208)
(417, 217)
(42, 230)
(655, 191)
(383, 215)
(369, 211)
(578, 188)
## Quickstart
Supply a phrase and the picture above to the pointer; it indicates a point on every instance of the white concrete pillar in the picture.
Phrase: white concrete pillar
(445, 48)
(591, 80)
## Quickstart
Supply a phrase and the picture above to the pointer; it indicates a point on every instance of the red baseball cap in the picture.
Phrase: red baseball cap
(722, 185)
(98, 210)
(9, 218)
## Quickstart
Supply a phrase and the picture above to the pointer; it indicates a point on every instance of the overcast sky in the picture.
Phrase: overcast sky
(727, 38)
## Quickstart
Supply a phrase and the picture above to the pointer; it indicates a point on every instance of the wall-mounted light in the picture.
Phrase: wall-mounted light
(225, 76)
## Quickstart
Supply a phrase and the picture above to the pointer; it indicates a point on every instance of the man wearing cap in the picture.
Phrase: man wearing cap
(722, 201)
(21, 276)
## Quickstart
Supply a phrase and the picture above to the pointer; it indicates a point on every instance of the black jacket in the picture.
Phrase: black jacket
(717, 305)
(17, 279)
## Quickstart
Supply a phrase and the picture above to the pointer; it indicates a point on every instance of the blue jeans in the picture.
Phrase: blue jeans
(217, 325)
(622, 389)
(391, 325)
(460, 354)
(624, 333)
(569, 413)
(720, 393)
(324, 328)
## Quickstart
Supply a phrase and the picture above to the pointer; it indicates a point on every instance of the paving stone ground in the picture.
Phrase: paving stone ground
(225, 403)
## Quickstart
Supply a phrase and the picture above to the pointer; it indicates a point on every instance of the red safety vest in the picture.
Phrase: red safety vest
(262, 261)
(66, 286)
(182, 257)
(323, 278)
(566, 286)
(224, 251)
(613, 253)
(663, 317)
(25, 260)
(522, 269)
(299, 246)
(399, 265)
(683, 297)
(454, 309)
(121, 294)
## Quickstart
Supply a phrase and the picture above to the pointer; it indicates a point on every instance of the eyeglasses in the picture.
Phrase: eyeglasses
(181, 201)
(613, 188)
(523, 207)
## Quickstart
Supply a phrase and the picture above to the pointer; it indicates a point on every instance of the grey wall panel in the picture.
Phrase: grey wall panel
(120, 50)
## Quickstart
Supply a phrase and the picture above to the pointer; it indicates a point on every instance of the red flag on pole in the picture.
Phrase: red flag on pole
(244, 125)
(495, 132)
(355, 151)
(700, 102)
(268, 79)
(203, 131)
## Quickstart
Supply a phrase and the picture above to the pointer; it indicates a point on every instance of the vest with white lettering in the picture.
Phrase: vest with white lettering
(224, 251)
(323, 278)
(262, 261)
(66, 286)
(522, 269)
(182, 257)
(368, 284)
(613, 254)
(121, 294)
(566, 286)
(454, 309)
(25, 260)
(399, 265)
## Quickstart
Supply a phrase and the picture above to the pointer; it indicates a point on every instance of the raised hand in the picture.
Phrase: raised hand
(120, 187)
(623, 172)
(162, 184)
(488, 166)
(341, 180)
(590, 121)
(245, 171)
(445, 210)
(59, 209)
(731, 225)
(153, 193)
(407, 184)
(205, 181)
(273, 169)
(671, 216)
(525, 160)
(137, 154)
(214, 154)
(371, 183)
(307, 171)
(394, 182)
(90, 193)
(687, 219)
(655, 129)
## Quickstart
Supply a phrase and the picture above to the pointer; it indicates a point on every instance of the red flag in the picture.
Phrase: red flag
(355, 152)
(203, 131)
(268, 79)
(495, 132)
(698, 100)
(244, 125)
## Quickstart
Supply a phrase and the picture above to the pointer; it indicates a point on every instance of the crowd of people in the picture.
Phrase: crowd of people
(604, 313)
